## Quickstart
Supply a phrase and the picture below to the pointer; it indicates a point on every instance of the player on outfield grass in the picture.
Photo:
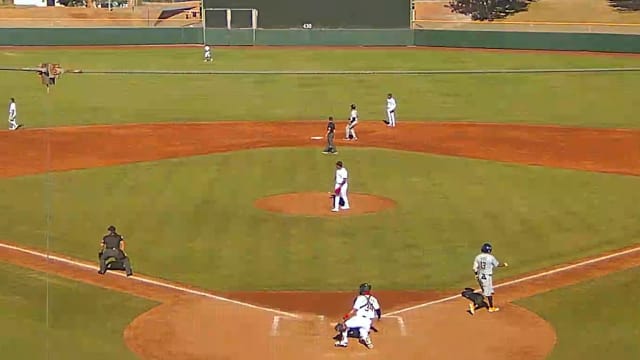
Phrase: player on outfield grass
(207, 54)
(13, 113)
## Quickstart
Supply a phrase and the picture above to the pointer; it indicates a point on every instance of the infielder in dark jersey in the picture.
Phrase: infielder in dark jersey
(331, 132)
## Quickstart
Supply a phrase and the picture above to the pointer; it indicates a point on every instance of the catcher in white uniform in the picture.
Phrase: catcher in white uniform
(365, 309)
(350, 133)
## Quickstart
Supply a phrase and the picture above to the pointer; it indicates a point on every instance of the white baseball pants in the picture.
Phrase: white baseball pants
(343, 195)
(361, 322)
(391, 117)
(12, 123)
(351, 130)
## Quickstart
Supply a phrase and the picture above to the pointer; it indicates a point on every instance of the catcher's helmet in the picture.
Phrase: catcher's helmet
(365, 287)
(486, 248)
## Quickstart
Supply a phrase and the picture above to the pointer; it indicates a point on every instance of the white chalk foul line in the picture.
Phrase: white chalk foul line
(274, 325)
(148, 281)
(403, 329)
(523, 279)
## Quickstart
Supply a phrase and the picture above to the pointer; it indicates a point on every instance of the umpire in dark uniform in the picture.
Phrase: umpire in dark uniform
(331, 133)
(112, 246)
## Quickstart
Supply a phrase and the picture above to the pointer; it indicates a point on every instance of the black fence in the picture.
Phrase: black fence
(329, 14)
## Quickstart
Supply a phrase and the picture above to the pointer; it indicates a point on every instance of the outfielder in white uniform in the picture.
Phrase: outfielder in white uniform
(483, 266)
(341, 187)
(207, 54)
(391, 110)
(350, 133)
(13, 113)
(365, 309)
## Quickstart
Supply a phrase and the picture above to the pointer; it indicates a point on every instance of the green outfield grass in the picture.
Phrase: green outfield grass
(64, 320)
(594, 320)
(603, 99)
(193, 219)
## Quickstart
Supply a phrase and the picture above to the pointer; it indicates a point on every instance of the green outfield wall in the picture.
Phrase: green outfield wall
(529, 40)
(322, 37)
(99, 36)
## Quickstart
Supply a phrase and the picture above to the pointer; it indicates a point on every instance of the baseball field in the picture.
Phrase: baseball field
(221, 193)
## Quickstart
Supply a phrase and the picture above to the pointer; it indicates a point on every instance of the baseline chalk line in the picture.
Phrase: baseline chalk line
(274, 325)
(146, 280)
(403, 329)
(523, 279)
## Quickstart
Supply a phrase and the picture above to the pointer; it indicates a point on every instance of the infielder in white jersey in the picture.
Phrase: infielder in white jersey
(350, 133)
(13, 113)
(340, 189)
(483, 266)
(391, 110)
(365, 309)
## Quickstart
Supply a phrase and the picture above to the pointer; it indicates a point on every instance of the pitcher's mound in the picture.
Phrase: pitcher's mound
(320, 204)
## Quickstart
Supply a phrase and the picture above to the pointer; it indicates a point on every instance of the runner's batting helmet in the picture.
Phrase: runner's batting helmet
(486, 248)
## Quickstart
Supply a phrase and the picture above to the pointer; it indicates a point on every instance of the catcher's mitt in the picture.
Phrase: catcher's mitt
(340, 327)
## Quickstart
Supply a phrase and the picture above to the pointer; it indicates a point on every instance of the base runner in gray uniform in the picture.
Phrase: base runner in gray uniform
(483, 266)
(112, 246)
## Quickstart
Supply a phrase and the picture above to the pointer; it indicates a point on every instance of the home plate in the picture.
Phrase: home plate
(317, 138)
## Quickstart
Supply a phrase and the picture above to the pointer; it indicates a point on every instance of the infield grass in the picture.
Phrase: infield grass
(597, 319)
(193, 219)
(64, 320)
(602, 99)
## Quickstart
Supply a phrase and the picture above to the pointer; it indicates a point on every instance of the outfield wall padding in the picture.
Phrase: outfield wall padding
(322, 37)
(99, 36)
(529, 40)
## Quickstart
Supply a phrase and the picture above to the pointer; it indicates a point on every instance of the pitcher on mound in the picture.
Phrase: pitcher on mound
(340, 189)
